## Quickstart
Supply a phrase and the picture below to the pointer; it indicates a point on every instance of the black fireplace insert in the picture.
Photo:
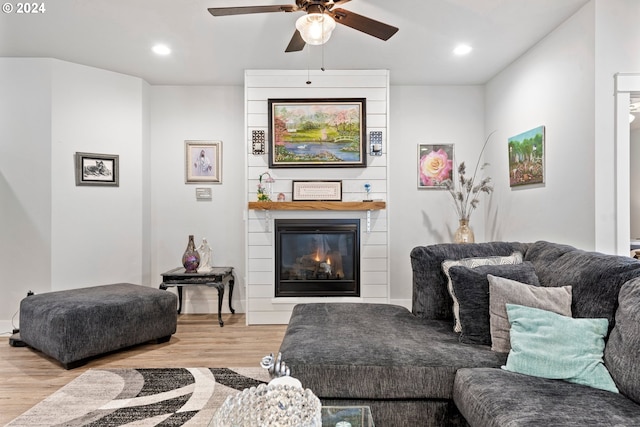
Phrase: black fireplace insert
(317, 257)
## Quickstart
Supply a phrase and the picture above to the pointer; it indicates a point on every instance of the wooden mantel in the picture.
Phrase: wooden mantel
(319, 206)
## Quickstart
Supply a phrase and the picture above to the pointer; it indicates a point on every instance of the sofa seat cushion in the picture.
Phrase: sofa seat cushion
(376, 351)
(489, 397)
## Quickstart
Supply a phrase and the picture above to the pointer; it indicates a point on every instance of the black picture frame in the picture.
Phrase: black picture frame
(317, 133)
(97, 169)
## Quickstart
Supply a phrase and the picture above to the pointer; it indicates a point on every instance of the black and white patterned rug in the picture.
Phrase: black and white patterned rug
(141, 397)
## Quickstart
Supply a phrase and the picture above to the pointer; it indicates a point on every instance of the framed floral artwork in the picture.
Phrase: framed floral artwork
(203, 162)
(435, 165)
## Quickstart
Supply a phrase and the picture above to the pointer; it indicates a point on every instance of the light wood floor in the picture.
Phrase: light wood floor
(27, 376)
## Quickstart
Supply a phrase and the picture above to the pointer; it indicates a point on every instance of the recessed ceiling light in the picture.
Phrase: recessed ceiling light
(462, 49)
(161, 49)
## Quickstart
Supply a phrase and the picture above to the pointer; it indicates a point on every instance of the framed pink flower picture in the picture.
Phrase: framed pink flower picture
(435, 165)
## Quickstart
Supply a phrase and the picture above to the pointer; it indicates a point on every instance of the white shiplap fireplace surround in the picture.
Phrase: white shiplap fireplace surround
(260, 85)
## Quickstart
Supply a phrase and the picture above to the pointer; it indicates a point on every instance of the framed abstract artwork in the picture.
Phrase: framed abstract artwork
(203, 162)
(435, 165)
(526, 157)
(317, 133)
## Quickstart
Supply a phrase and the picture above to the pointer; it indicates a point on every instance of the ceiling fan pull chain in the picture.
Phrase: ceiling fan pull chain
(309, 65)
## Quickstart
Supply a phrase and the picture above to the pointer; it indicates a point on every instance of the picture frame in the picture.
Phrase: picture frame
(97, 169)
(203, 162)
(316, 191)
(318, 132)
(435, 165)
(527, 157)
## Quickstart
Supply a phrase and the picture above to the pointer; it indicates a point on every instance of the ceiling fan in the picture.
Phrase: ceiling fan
(320, 19)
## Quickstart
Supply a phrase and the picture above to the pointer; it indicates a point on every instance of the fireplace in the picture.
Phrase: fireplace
(317, 257)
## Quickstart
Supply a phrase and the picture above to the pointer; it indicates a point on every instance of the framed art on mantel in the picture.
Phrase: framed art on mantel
(203, 162)
(526, 157)
(317, 133)
(435, 165)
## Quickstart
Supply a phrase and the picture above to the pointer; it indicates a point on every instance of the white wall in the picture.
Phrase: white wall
(96, 231)
(634, 160)
(428, 115)
(617, 47)
(25, 189)
(55, 235)
(180, 113)
(551, 85)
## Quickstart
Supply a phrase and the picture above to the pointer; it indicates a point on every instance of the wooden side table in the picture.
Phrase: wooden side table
(216, 278)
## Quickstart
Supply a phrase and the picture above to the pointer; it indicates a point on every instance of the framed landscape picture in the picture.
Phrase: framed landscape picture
(97, 169)
(526, 157)
(435, 165)
(317, 133)
(203, 162)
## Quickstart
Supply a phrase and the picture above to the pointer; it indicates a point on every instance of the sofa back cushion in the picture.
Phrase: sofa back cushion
(595, 278)
(431, 299)
(622, 352)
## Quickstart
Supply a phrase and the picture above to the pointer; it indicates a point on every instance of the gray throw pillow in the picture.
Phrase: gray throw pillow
(504, 291)
(621, 353)
(471, 287)
(514, 258)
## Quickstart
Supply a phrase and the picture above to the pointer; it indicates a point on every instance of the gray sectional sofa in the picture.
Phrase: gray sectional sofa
(413, 369)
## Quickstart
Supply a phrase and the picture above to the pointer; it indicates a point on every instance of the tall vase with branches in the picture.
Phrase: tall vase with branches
(465, 193)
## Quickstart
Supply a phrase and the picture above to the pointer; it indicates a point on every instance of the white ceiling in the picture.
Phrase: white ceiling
(118, 35)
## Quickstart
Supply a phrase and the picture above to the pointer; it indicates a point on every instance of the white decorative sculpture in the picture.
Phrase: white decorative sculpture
(204, 250)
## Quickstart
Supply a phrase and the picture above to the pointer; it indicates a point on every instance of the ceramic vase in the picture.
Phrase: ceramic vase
(191, 257)
(464, 233)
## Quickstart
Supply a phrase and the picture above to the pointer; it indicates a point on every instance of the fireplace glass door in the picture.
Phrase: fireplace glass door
(317, 257)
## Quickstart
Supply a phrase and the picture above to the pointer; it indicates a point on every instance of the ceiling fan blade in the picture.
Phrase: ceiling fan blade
(340, 2)
(243, 10)
(362, 23)
(296, 44)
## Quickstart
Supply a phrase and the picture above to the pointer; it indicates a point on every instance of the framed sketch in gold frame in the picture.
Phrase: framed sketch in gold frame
(316, 191)
(203, 162)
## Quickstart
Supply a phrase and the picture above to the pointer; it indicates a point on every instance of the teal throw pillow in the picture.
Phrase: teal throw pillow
(549, 345)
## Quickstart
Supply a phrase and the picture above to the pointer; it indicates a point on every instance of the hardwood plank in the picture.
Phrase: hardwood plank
(29, 376)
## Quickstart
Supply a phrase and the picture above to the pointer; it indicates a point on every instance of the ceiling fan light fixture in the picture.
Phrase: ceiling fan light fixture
(315, 28)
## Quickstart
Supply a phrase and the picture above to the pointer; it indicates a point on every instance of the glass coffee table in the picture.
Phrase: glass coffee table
(340, 416)
(347, 416)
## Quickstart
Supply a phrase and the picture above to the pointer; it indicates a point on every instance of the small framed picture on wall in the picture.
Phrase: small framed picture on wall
(435, 165)
(97, 169)
(203, 161)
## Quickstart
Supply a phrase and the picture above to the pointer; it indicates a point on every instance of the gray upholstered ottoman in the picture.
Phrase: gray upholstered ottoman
(76, 324)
